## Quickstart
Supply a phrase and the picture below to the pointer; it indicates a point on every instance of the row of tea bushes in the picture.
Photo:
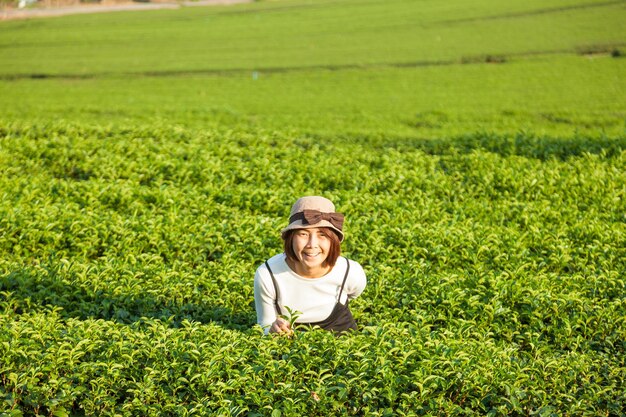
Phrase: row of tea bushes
(495, 275)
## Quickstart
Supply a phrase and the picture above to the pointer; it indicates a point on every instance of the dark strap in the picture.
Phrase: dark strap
(275, 289)
(345, 277)
(340, 319)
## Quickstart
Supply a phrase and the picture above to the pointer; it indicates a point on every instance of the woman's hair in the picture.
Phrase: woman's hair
(333, 252)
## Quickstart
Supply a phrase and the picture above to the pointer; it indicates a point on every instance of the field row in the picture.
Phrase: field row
(554, 96)
(301, 34)
(495, 274)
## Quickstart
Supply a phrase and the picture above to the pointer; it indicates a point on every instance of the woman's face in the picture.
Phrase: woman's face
(311, 248)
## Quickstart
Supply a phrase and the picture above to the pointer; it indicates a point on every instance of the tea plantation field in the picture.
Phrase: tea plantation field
(148, 162)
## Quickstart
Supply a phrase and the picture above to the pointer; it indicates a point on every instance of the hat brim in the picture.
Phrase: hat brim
(298, 224)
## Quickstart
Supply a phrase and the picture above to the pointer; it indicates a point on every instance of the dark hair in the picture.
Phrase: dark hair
(333, 252)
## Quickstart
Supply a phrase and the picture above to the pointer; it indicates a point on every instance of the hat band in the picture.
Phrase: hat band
(315, 216)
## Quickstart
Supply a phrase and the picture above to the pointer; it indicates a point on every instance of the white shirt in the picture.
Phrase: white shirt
(313, 298)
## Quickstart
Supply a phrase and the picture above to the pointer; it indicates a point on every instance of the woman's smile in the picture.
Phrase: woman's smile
(305, 282)
(311, 247)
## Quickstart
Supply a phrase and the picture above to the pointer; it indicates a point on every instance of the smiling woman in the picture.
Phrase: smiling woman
(310, 279)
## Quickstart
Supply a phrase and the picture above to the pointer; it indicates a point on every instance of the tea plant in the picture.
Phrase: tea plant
(401, 69)
(478, 151)
(127, 255)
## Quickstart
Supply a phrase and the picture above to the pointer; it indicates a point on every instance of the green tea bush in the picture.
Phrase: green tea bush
(495, 274)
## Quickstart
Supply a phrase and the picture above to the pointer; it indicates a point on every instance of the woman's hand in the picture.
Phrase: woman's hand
(281, 326)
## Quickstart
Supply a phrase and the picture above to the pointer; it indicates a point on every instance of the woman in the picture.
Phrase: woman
(310, 279)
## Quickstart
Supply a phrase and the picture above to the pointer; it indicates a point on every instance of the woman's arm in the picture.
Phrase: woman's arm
(264, 295)
(356, 280)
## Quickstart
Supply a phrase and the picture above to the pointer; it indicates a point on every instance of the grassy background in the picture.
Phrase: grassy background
(148, 161)
(558, 96)
(296, 34)
(336, 67)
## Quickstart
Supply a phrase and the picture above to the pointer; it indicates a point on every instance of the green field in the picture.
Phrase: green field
(149, 160)
(359, 68)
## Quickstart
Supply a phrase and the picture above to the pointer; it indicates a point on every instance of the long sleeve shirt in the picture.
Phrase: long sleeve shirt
(313, 298)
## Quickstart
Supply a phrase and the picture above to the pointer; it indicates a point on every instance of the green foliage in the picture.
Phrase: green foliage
(495, 274)
(407, 69)
(331, 34)
(148, 162)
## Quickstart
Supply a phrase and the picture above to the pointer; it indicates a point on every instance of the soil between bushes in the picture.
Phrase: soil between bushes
(61, 10)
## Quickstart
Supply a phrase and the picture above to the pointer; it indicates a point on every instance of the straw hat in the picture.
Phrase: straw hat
(314, 211)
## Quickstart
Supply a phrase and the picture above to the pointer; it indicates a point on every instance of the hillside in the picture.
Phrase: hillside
(477, 149)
